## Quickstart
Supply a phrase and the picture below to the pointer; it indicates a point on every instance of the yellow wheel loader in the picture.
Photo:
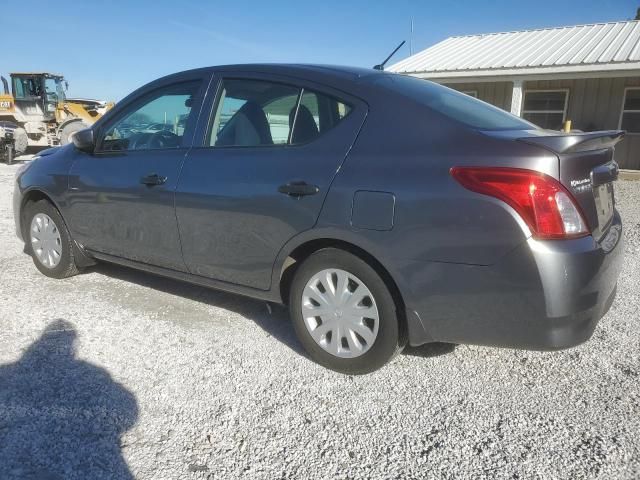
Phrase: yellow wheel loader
(40, 111)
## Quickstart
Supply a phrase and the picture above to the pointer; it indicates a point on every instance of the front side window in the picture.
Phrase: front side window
(546, 109)
(253, 113)
(55, 94)
(159, 122)
(630, 118)
(53, 88)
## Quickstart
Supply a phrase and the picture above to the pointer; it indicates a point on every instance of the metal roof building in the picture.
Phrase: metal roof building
(589, 74)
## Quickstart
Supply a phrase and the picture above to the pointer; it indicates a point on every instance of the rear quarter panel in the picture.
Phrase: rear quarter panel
(407, 150)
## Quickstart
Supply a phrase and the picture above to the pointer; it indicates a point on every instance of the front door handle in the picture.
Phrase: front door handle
(153, 179)
(298, 189)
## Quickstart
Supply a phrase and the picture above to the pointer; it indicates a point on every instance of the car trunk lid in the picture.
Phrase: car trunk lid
(587, 169)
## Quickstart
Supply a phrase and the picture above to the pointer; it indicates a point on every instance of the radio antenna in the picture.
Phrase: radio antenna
(381, 66)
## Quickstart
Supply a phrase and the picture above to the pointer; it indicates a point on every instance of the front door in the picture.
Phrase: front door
(122, 196)
(268, 157)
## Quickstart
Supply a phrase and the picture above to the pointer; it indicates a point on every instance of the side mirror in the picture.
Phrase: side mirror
(83, 140)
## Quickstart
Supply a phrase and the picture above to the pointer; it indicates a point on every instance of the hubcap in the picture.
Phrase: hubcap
(45, 240)
(340, 313)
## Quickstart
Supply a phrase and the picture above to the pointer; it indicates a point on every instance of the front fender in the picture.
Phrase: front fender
(48, 176)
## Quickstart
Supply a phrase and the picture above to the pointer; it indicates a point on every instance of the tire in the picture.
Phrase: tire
(8, 154)
(65, 265)
(68, 129)
(355, 355)
(20, 141)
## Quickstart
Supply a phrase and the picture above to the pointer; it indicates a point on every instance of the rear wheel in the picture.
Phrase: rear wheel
(8, 154)
(20, 141)
(48, 240)
(343, 313)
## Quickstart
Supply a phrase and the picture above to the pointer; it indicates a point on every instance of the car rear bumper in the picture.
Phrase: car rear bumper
(544, 295)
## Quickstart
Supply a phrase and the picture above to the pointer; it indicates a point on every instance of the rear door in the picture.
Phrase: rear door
(267, 157)
(121, 197)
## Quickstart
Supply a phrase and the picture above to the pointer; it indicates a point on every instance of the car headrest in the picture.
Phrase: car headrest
(305, 129)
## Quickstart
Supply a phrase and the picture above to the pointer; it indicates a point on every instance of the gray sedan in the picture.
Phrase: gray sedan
(383, 209)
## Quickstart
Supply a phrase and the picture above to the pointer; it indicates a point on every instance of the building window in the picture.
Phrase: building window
(630, 117)
(545, 108)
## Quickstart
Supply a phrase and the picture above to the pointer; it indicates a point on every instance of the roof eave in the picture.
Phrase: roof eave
(566, 71)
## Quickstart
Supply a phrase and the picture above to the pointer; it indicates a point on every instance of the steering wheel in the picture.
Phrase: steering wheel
(163, 139)
(139, 141)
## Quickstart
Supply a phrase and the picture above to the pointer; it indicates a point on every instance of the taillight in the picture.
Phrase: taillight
(544, 204)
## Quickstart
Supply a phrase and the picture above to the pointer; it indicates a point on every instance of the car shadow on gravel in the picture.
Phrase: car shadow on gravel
(272, 318)
(429, 350)
(61, 417)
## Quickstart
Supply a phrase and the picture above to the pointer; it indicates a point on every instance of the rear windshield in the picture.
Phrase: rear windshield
(458, 106)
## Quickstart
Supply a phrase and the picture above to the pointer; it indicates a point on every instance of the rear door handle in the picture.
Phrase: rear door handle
(298, 189)
(153, 179)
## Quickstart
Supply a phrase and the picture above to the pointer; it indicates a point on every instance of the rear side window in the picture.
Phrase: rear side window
(455, 105)
(253, 113)
(316, 115)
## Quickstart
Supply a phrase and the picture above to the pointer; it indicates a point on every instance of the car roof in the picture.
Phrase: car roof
(333, 74)
(302, 68)
(347, 79)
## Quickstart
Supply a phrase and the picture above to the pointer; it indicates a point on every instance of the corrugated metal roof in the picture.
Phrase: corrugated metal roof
(600, 45)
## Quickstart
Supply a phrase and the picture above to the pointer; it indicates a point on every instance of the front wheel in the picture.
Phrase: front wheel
(343, 313)
(48, 240)
(69, 129)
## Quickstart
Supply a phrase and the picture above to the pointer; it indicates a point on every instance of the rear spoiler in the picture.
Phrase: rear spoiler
(576, 142)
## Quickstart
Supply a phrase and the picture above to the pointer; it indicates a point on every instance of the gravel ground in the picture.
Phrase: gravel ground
(119, 374)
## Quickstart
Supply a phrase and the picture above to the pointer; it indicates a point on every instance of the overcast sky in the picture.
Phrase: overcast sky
(107, 49)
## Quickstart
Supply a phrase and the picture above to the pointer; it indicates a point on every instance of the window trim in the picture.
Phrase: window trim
(566, 91)
(299, 86)
(623, 111)
(142, 100)
(295, 117)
